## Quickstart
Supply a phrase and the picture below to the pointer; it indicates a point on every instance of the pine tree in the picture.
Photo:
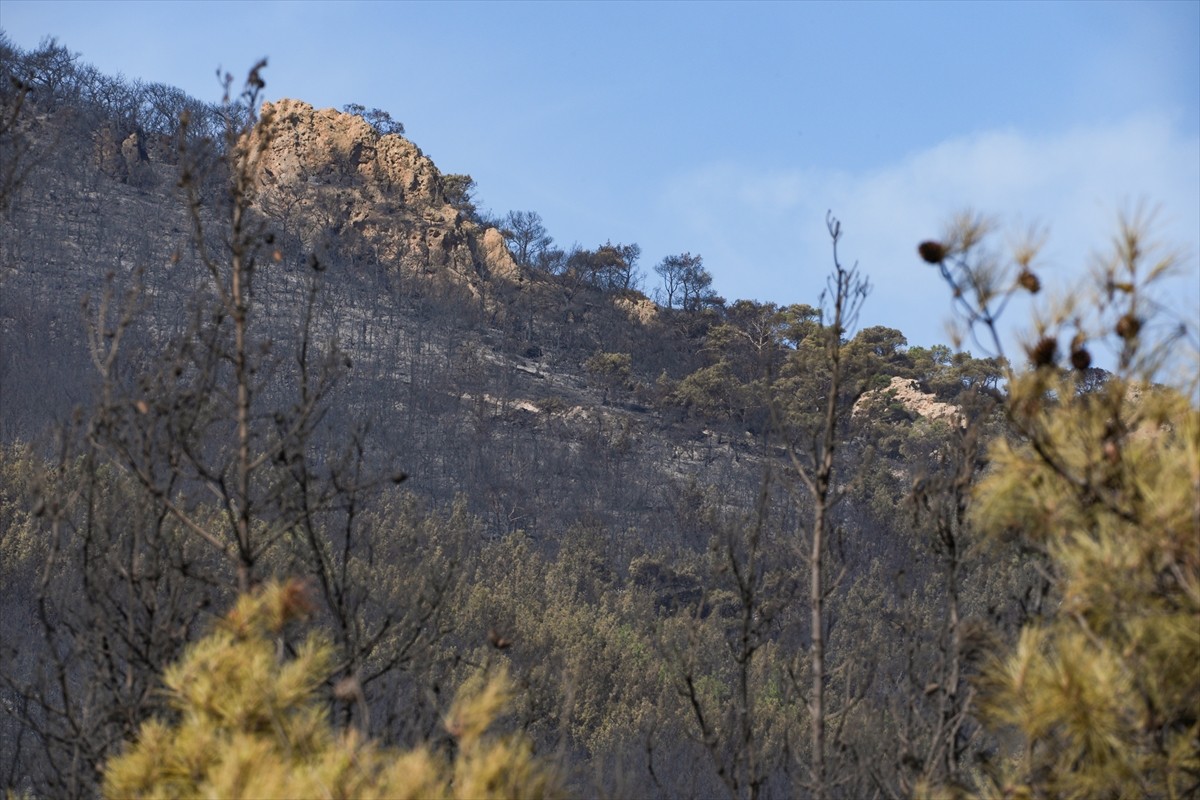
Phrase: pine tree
(250, 723)
(1101, 695)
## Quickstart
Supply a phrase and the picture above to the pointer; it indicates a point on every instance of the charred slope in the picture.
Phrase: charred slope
(467, 371)
(545, 400)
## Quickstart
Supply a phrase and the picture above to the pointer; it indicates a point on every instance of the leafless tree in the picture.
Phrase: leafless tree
(527, 238)
(812, 460)
(15, 146)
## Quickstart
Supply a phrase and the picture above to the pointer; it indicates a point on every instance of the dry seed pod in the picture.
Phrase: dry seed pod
(1081, 359)
(1128, 326)
(932, 252)
(294, 601)
(1045, 352)
(1029, 282)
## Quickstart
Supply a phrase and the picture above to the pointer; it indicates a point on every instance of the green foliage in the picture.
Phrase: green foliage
(611, 267)
(1102, 694)
(251, 724)
(527, 238)
(579, 647)
(686, 283)
(612, 370)
(1106, 692)
(459, 191)
(950, 375)
(711, 391)
(885, 344)
(380, 120)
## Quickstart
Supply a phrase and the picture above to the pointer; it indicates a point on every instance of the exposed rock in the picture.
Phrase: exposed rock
(133, 151)
(331, 175)
(496, 257)
(908, 392)
(106, 149)
(640, 309)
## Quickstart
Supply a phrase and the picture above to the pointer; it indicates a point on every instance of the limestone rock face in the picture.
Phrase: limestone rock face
(106, 150)
(496, 256)
(908, 393)
(132, 151)
(332, 177)
(639, 309)
(921, 403)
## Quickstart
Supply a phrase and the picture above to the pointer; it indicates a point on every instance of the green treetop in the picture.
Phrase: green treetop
(251, 723)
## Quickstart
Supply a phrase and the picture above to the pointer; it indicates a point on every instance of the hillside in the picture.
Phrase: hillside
(543, 411)
(473, 354)
(685, 547)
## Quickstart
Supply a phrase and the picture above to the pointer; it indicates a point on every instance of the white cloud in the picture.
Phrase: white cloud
(762, 233)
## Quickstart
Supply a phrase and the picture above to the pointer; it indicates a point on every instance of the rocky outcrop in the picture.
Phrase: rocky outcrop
(106, 150)
(327, 175)
(133, 151)
(496, 257)
(639, 309)
(908, 393)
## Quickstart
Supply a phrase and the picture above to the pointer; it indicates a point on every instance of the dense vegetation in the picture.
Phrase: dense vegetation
(709, 553)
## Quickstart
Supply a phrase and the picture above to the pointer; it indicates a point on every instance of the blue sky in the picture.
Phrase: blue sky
(728, 129)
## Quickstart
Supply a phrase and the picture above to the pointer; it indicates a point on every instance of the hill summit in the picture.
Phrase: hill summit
(326, 171)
